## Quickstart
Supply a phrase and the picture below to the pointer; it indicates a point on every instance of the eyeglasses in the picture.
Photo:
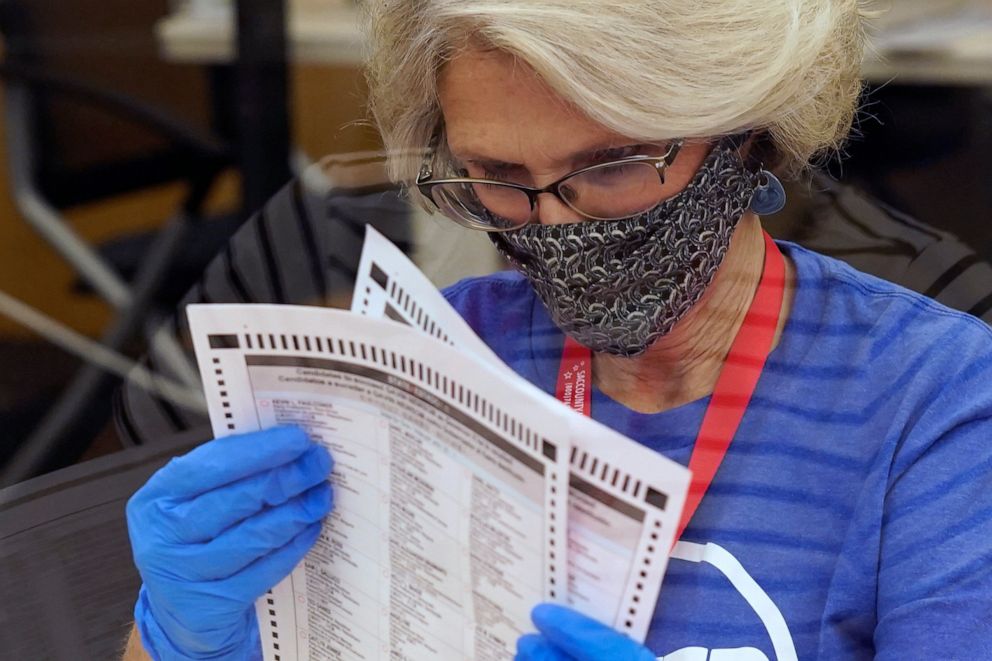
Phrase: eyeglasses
(606, 191)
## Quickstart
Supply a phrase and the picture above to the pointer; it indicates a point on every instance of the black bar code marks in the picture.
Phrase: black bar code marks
(221, 381)
(414, 314)
(379, 276)
(274, 626)
(394, 314)
(223, 341)
(656, 498)
(584, 462)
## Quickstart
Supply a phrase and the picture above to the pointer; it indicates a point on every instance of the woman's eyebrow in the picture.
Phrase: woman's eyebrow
(492, 163)
(470, 156)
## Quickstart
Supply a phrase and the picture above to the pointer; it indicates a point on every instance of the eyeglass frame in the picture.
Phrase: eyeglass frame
(426, 186)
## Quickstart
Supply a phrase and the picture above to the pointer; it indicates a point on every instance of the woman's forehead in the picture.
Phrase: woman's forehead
(496, 108)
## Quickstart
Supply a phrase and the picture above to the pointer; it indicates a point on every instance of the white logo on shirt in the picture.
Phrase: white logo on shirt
(757, 599)
(703, 654)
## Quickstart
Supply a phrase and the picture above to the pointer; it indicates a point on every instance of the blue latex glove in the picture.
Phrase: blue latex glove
(214, 530)
(568, 636)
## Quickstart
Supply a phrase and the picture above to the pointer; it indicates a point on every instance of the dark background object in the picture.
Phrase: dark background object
(263, 114)
(926, 150)
(68, 51)
(86, 154)
(66, 572)
(56, 73)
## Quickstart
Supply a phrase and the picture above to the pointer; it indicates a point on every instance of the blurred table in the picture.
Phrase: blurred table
(319, 32)
(936, 42)
(933, 42)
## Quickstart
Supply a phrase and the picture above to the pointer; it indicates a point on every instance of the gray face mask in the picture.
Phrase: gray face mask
(617, 286)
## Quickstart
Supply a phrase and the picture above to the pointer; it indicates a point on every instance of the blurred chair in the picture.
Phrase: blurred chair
(66, 573)
(72, 139)
(923, 150)
(843, 221)
(303, 248)
(900, 130)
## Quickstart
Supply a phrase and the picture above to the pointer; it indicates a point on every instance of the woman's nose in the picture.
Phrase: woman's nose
(552, 211)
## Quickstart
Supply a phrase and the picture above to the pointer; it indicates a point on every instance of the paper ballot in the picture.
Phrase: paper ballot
(450, 483)
(464, 495)
(624, 500)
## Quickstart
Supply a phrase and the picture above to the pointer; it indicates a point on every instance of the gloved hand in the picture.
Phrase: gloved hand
(214, 530)
(568, 636)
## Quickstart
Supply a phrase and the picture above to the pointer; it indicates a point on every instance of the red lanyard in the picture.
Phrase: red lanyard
(734, 387)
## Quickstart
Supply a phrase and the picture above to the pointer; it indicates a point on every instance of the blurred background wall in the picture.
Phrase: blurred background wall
(114, 43)
(114, 182)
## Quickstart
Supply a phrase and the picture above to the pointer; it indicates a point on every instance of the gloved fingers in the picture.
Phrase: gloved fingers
(535, 647)
(225, 460)
(584, 638)
(256, 537)
(208, 515)
(261, 575)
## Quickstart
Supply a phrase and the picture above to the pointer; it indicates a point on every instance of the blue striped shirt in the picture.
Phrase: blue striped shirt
(852, 516)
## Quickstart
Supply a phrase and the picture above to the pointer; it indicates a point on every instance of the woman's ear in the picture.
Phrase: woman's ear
(759, 152)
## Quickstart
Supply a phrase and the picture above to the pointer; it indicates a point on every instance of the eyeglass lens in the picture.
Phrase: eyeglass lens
(609, 192)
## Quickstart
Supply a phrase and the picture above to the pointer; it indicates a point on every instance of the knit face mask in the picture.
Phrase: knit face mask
(617, 286)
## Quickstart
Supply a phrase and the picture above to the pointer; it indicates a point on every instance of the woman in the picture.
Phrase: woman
(621, 154)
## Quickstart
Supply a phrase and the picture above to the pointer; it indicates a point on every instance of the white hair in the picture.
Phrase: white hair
(648, 69)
